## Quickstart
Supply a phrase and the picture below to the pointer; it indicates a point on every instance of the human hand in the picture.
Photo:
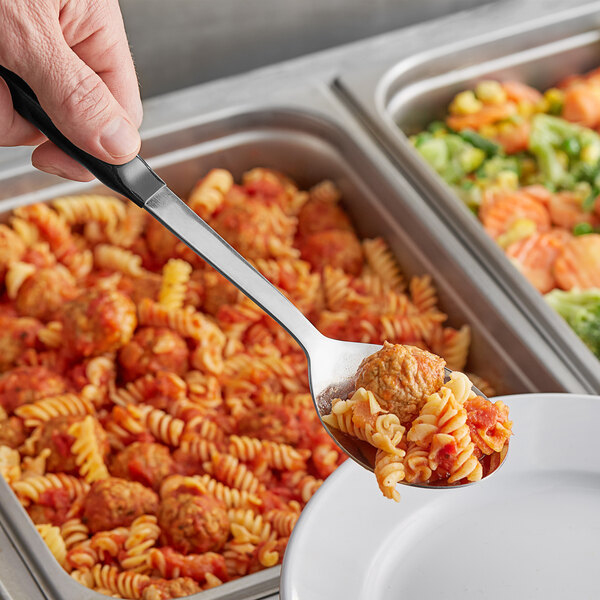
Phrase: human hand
(75, 56)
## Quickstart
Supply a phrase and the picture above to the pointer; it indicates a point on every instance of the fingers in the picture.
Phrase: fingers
(47, 157)
(83, 108)
(106, 51)
(14, 130)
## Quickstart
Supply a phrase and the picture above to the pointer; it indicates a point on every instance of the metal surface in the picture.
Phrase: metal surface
(311, 146)
(192, 41)
(16, 583)
(401, 95)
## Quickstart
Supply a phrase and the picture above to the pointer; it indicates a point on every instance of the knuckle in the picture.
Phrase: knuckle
(86, 96)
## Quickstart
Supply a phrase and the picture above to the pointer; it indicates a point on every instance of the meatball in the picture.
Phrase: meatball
(218, 292)
(98, 321)
(54, 435)
(138, 288)
(273, 422)
(144, 462)
(193, 523)
(161, 242)
(335, 248)
(251, 226)
(165, 589)
(12, 432)
(317, 216)
(154, 349)
(401, 377)
(270, 185)
(24, 385)
(115, 502)
(16, 336)
(42, 294)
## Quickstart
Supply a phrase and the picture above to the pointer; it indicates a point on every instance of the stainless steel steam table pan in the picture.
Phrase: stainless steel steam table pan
(401, 95)
(311, 145)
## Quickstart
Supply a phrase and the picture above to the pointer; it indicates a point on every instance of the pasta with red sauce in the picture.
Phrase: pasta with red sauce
(156, 425)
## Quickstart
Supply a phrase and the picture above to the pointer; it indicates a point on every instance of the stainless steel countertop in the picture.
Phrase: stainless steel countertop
(180, 43)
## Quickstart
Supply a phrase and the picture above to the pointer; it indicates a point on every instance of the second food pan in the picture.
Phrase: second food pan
(309, 147)
(399, 98)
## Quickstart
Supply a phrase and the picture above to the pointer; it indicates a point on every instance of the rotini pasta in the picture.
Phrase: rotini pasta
(10, 464)
(54, 406)
(163, 423)
(87, 451)
(115, 258)
(454, 428)
(176, 274)
(31, 489)
(54, 540)
(74, 531)
(124, 583)
(231, 472)
(389, 471)
(142, 537)
(248, 527)
(82, 209)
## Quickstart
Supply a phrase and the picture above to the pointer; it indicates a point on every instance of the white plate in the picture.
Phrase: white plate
(532, 530)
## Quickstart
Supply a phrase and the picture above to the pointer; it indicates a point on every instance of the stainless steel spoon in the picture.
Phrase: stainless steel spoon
(332, 364)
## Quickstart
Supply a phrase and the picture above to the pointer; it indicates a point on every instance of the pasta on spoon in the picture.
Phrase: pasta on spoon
(424, 430)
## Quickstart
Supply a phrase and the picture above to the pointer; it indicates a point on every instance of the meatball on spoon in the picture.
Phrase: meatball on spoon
(332, 364)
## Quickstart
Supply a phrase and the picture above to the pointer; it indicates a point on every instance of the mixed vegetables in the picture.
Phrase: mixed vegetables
(528, 165)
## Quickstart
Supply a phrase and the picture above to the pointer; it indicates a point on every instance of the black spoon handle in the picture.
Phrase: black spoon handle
(134, 180)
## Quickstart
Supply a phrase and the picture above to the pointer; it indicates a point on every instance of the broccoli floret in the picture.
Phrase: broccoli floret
(497, 164)
(450, 155)
(581, 310)
(566, 152)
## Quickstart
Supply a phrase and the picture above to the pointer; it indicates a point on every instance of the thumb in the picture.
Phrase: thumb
(83, 108)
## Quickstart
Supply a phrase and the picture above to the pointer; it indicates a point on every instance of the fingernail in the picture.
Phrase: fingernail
(120, 138)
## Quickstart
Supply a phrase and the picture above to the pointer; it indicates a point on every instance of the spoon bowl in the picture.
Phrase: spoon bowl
(332, 366)
(332, 363)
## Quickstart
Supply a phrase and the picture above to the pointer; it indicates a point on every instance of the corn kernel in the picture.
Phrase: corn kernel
(488, 131)
(465, 103)
(555, 99)
(525, 108)
(554, 95)
(505, 126)
(507, 179)
(563, 159)
(583, 189)
(519, 230)
(590, 154)
(543, 106)
(490, 92)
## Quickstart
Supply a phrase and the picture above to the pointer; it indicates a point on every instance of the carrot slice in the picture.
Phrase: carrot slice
(582, 105)
(500, 210)
(565, 211)
(515, 139)
(520, 92)
(536, 255)
(570, 81)
(490, 113)
(578, 263)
